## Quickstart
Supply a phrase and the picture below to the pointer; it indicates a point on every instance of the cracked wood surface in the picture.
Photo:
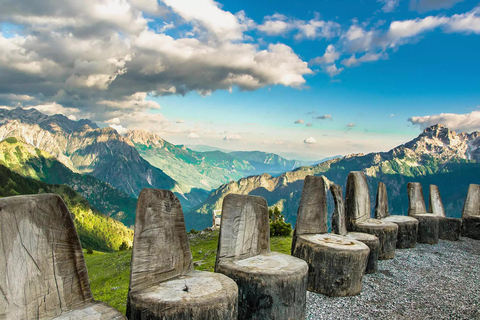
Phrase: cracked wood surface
(42, 271)
(160, 245)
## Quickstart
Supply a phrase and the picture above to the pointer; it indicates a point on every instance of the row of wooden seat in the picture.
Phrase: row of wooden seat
(338, 260)
(43, 273)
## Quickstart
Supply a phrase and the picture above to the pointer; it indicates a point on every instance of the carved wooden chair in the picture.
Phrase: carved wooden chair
(407, 226)
(357, 212)
(163, 284)
(448, 228)
(336, 264)
(42, 271)
(428, 223)
(471, 213)
(339, 227)
(271, 285)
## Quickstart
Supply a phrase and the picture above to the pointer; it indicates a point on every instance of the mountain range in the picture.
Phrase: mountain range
(437, 156)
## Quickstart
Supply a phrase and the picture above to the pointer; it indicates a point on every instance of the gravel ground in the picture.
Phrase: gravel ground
(439, 281)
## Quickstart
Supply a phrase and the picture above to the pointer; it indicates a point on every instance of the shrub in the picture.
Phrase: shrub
(278, 227)
(89, 251)
(124, 246)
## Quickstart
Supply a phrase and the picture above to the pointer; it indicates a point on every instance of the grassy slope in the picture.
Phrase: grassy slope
(94, 229)
(110, 272)
(29, 161)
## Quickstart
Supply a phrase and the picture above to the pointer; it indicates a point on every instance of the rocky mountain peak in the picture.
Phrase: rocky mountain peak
(146, 138)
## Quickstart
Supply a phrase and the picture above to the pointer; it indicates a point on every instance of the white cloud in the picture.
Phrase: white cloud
(223, 24)
(333, 70)
(299, 121)
(409, 28)
(193, 135)
(330, 56)
(310, 140)
(275, 27)
(232, 137)
(309, 125)
(459, 122)
(467, 22)
(119, 128)
(368, 57)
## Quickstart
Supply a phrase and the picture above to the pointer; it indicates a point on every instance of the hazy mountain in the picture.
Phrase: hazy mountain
(85, 148)
(207, 170)
(95, 230)
(29, 161)
(437, 156)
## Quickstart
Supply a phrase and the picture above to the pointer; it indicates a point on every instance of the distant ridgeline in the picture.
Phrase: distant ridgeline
(95, 230)
(437, 156)
(109, 170)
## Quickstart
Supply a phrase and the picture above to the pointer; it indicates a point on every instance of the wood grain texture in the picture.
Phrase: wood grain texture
(428, 223)
(357, 211)
(270, 285)
(449, 228)
(43, 273)
(339, 227)
(407, 226)
(163, 284)
(312, 211)
(336, 263)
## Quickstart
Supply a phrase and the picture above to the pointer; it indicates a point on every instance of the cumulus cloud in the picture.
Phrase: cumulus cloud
(324, 117)
(467, 122)
(232, 137)
(299, 121)
(104, 56)
(279, 24)
(310, 140)
(359, 44)
(193, 135)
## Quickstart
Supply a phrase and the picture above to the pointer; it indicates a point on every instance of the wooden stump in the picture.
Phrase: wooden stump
(471, 213)
(163, 284)
(336, 263)
(449, 228)
(42, 271)
(373, 244)
(407, 230)
(271, 285)
(386, 233)
(428, 227)
(471, 227)
(357, 212)
(196, 295)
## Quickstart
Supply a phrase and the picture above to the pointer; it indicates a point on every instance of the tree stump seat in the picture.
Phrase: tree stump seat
(336, 263)
(407, 226)
(428, 227)
(385, 231)
(206, 295)
(448, 228)
(428, 223)
(163, 284)
(357, 213)
(373, 244)
(407, 230)
(271, 285)
(471, 227)
(471, 213)
(42, 269)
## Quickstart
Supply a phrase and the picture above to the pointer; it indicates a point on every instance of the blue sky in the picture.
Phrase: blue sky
(311, 78)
